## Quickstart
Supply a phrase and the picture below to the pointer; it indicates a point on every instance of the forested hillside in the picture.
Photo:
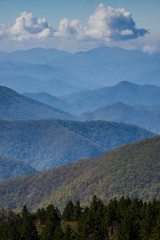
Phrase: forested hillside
(47, 143)
(131, 170)
(11, 167)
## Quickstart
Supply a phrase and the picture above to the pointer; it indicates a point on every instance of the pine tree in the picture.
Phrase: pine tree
(68, 212)
(68, 233)
(28, 230)
(77, 211)
(51, 222)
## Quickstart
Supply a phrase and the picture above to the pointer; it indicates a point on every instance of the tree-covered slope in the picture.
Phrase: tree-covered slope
(14, 106)
(125, 92)
(131, 170)
(11, 167)
(47, 143)
(146, 117)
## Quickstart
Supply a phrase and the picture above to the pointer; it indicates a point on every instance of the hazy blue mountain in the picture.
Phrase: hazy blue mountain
(100, 67)
(11, 167)
(145, 117)
(14, 106)
(125, 92)
(48, 99)
(149, 77)
(106, 66)
(48, 143)
(34, 55)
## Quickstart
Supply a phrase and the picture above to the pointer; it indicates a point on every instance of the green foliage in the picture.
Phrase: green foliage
(131, 220)
(131, 170)
(68, 212)
(52, 220)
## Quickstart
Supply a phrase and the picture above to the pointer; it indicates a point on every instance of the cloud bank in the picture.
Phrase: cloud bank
(106, 26)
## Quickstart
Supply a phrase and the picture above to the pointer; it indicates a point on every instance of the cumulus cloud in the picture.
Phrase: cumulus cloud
(70, 29)
(116, 24)
(106, 26)
(27, 27)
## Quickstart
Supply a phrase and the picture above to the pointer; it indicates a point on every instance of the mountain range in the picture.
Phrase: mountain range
(146, 117)
(47, 143)
(125, 92)
(110, 65)
(131, 170)
(14, 106)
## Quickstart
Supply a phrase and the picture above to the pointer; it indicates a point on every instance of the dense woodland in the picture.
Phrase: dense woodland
(131, 170)
(122, 219)
(48, 143)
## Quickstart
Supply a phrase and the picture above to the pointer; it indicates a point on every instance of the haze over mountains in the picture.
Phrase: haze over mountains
(83, 70)
(49, 100)
(146, 117)
(125, 92)
(14, 106)
(131, 170)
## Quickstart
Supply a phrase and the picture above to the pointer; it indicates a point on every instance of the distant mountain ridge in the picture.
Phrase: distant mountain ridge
(96, 68)
(131, 170)
(14, 106)
(48, 99)
(125, 92)
(48, 143)
(11, 167)
(34, 55)
(146, 117)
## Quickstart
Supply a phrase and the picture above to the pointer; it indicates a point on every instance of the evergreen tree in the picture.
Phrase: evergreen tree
(68, 233)
(68, 212)
(51, 222)
(77, 211)
(28, 230)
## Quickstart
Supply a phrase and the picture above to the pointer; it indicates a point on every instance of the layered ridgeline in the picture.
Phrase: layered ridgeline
(125, 92)
(109, 65)
(146, 117)
(49, 100)
(48, 143)
(14, 106)
(11, 167)
(131, 170)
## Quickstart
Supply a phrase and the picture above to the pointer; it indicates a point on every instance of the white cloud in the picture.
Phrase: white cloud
(27, 27)
(113, 24)
(106, 26)
(69, 29)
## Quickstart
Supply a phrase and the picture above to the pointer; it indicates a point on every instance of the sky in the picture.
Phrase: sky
(80, 25)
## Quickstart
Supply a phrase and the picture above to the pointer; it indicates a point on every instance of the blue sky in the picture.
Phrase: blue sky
(144, 13)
